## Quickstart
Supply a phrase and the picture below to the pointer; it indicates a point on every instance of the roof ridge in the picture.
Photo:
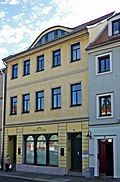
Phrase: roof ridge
(96, 20)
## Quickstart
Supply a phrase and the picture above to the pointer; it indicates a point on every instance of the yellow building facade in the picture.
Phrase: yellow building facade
(46, 120)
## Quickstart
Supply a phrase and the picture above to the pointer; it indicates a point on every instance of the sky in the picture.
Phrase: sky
(21, 21)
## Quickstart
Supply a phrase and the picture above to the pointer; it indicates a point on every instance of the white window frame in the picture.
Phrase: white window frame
(110, 24)
(98, 105)
(97, 63)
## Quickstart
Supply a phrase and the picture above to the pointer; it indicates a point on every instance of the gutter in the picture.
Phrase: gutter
(3, 113)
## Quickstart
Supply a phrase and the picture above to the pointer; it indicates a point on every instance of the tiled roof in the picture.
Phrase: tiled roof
(90, 23)
(75, 29)
(103, 39)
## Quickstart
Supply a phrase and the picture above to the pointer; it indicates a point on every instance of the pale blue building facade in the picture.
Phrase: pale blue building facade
(104, 100)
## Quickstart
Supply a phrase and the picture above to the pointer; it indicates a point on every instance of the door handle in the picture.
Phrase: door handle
(78, 153)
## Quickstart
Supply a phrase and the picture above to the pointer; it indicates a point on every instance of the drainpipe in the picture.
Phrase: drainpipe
(3, 107)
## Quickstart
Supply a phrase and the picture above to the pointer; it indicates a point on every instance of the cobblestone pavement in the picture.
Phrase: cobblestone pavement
(53, 178)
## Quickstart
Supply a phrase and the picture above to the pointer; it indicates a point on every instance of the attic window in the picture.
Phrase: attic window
(116, 27)
(51, 36)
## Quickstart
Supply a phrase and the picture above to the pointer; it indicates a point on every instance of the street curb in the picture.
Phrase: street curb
(27, 178)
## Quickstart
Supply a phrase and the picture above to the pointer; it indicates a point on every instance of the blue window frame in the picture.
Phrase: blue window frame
(15, 71)
(26, 103)
(116, 27)
(104, 64)
(40, 101)
(13, 105)
(76, 98)
(56, 98)
(75, 52)
(26, 68)
(40, 63)
(56, 58)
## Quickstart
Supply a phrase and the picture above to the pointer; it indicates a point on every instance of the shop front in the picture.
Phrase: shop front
(48, 148)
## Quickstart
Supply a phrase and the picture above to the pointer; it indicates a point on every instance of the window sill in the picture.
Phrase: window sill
(25, 112)
(77, 105)
(55, 108)
(103, 73)
(14, 78)
(72, 61)
(56, 66)
(39, 71)
(39, 110)
(13, 114)
(105, 117)
(26, 74)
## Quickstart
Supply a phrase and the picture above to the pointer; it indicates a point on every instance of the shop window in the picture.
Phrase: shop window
(30, 150)
(41, 150)
(53, 150)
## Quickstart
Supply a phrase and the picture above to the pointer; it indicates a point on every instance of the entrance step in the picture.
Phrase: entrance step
(75, 173)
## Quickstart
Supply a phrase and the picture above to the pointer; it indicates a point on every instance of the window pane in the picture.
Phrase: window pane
(40, 63)
(27, 67)
(30, 152)
(54, 137)
(41, 152)
(104, 64)
(13, 105)
(26, 103)
(105, 105)
(15, 71)
(53, 152)
(107, 64)
(75, 52)
(57, 58)
(116, 27)
(40, 100)
(76, 94)
(56, 98)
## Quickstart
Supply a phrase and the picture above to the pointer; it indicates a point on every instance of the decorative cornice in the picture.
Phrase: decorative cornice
(68, 120)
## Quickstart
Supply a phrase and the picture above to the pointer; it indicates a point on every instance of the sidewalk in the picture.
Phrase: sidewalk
(52, 178)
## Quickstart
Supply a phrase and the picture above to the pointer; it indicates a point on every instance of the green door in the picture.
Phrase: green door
(76, 152)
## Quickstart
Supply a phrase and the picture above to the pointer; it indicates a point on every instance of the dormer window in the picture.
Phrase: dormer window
(50, 36)
(116, 27)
